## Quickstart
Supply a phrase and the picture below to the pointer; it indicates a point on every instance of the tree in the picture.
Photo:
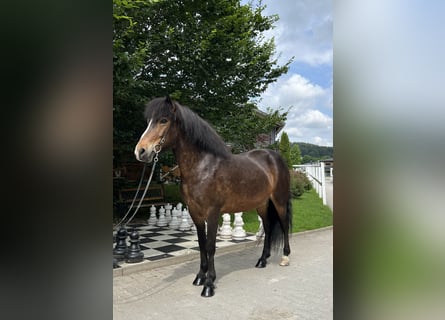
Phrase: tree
(308, 159)
(295, 154)
(210, 55)
(284, 148)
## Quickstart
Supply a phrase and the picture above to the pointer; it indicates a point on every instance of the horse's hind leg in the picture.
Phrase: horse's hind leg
(262, 261)
(285, 217)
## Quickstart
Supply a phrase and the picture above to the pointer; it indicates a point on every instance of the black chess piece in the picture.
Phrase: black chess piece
(121, 245)
(115, 264)
(134, 253)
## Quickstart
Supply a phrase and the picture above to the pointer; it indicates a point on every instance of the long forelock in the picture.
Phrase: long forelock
(156, 109)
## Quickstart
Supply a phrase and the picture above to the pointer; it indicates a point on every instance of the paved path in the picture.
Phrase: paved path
(302, 290)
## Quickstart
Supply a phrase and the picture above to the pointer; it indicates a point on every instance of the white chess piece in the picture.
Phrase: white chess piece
(174, 223)
(168, 212)
(152, 220)
(238, 231)
(226, 230)
(184, 226)
(162, 221)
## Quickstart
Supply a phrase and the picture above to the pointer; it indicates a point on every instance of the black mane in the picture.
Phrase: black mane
(196, 130)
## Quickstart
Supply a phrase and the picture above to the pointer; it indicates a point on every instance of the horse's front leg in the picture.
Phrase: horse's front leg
(212, 228)
(202, 239)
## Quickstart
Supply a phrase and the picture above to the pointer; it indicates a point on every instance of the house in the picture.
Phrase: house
(266, 139)
(328, 164)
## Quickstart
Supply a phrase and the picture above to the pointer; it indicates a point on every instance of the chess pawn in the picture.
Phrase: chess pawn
(168, 212)
(184, 226)
(152, 220)
(115, 264)
(191, 222)
(189, 218)
(238, 231)
(174, 223)
(226, 230)
(121, 245)
(134, 253)
(260, 233)
(162, 221)
(179, 207)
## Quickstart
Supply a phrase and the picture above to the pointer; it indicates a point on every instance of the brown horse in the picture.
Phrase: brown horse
(214, 181)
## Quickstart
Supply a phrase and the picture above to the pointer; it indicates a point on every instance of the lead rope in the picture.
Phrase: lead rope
(157, 150)
(135, 196)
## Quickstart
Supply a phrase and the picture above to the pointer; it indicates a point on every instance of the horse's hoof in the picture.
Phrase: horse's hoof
(198, 281)
(284, 261)
(207, 292)
(260, 264)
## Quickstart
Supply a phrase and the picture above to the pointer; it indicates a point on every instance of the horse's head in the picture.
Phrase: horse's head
(160, 114)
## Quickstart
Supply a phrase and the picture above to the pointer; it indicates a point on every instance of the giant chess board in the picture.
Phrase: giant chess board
(162, 242)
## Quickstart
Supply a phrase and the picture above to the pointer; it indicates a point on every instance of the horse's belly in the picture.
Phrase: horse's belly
(244, 200)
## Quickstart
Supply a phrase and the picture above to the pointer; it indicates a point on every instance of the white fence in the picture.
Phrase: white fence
(316, 175)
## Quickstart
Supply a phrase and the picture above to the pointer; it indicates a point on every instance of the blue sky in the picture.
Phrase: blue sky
(304, 31)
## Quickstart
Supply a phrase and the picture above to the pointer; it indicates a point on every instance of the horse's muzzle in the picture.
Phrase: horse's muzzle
(144, 155)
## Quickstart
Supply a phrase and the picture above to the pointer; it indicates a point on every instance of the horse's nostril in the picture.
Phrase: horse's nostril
(141, 151)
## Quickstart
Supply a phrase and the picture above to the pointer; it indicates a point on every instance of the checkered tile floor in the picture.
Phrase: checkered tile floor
(159, 242)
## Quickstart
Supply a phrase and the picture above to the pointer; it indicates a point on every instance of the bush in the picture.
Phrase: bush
(299, 183)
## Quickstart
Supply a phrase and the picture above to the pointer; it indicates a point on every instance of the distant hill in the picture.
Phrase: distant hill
(311, 152)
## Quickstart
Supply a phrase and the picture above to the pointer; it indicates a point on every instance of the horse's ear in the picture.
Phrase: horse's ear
(171, 103)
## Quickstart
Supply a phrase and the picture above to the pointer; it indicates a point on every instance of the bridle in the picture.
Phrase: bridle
(157, 149)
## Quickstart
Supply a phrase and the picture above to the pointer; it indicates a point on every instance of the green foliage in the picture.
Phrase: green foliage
(299, 183)
(172, 193)
(312, 152)
(209, 55)
(295, 154)
(284, 148)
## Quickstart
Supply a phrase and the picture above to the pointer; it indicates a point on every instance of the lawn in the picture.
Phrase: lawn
(308, 213)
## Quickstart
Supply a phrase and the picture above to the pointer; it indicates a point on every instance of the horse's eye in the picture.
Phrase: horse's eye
(163, 121)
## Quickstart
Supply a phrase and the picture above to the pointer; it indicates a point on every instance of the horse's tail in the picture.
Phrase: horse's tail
(278, 225)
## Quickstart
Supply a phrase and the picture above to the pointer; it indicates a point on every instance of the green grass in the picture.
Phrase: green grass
(308, 212)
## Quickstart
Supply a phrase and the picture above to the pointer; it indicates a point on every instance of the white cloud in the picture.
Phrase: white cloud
(305, 122)
(304, 30)
(293, 90)
(310, 126)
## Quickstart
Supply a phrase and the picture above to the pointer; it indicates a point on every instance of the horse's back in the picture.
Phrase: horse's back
(268, 157)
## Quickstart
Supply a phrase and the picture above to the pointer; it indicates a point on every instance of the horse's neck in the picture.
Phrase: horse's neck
(191, 160)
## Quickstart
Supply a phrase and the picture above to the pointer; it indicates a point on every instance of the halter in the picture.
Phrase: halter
(157, 149)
